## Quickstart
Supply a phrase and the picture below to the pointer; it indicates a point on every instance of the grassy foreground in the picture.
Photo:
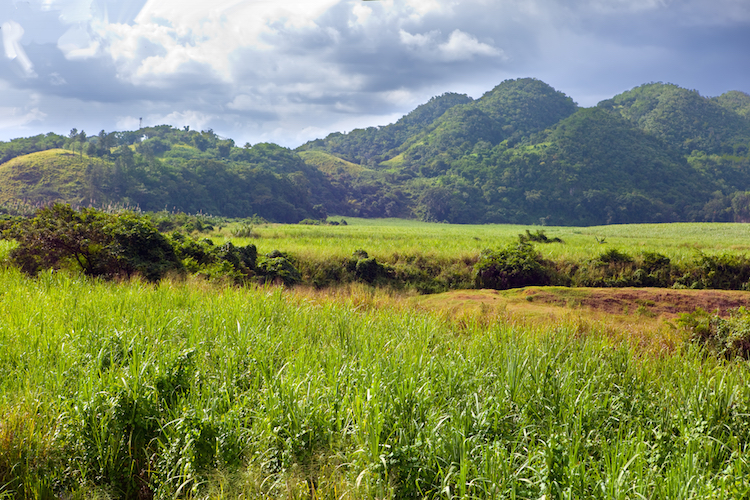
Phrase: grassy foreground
(186, 390)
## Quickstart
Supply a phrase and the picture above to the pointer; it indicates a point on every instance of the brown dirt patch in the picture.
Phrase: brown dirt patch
(666, 303)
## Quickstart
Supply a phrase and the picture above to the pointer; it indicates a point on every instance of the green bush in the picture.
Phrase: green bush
(537, 237)
(513, 267)
(204, 258)
(97, 243)
(277, 266)
(725, 337)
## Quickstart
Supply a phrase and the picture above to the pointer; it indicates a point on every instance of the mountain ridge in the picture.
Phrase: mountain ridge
(521, 153)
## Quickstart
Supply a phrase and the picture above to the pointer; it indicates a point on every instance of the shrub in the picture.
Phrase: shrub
(206, 259)
(512, 267)
(537, 237)
(614, 256)
(276, 266)
(726, 337)
(99, 244)
(724, 272)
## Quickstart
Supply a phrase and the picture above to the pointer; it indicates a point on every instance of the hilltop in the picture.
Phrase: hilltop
(521, 153)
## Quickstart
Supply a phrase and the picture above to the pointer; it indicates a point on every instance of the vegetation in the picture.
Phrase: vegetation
(725, 337)
(192, 387)
(138, 391)
(522, 153)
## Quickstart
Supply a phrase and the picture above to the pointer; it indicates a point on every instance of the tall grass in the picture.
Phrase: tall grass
(182, 389)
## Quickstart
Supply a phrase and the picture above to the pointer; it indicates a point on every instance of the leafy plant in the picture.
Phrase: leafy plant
(513, 267)
(725, 337)
(277, 266)
(537, 237)
(99, 244)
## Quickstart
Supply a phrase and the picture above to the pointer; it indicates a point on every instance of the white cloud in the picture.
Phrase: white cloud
(13, 118)
(362, 13)
(462, 46)
(206, 33)
(12, 34)
(195, 119)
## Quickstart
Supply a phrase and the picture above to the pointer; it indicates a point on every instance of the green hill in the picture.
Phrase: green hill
(525, 153)
(684, 118)
(367, 146)
(736, 101)
(524, 106)
(173, 169)
(522, 153)
(53, 175)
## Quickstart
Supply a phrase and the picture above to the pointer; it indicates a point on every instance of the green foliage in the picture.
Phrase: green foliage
(723, 272)
(99, 244)
(24, 146)
(222, 262)
(233, 393)
(523, 153)
(513, 267)
(681, 117)
(366, 268)
(726, 337)
(276, 266)
(537, 237)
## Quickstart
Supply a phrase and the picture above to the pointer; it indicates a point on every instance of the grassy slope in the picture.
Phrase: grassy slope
(330, 164)
(55, 174)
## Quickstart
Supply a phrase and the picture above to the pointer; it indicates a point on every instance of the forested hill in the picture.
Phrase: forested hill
(522, 153)
(159, 168)
(525, 153)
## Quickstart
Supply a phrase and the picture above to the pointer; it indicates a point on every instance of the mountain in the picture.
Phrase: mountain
(685, 119)
(525, 153)
(367, 145)
(521, 153)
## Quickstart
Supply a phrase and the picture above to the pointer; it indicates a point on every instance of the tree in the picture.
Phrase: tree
(81, 137)
(99, 244)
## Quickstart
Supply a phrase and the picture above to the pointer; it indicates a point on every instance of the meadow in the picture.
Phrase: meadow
(386, 238)
(193, 390)
(199, 388)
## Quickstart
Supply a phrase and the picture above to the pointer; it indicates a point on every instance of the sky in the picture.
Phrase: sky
(289, 71)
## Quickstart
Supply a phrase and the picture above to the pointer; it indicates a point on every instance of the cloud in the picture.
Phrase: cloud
(285, 69)
(12, 34)
(462, 46)
(14, 118)
(76, 43)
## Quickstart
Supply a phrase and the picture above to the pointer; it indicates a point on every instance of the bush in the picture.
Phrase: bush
(276, 266)
(226, 261)
(728, 338)
(512, 267)
(99, 244)
(537, 237)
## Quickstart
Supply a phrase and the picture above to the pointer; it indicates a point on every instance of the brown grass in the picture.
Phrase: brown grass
(642, 317)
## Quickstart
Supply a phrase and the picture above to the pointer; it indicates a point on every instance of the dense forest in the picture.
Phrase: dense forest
(522, 153)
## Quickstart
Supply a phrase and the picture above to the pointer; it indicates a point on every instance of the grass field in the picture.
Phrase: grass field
(385, 238)
(185, 389)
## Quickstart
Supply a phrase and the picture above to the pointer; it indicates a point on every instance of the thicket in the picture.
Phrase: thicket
(122, 244)
(725, 337)
(112, 245)
(513, 267)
